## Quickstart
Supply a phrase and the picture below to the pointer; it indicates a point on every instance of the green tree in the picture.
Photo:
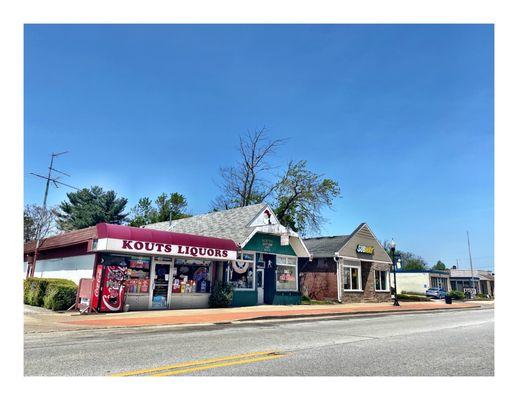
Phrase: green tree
(413, 263)
(300, 195)
(439, 266)
(145, 212)
(88, 207)
(409, 261)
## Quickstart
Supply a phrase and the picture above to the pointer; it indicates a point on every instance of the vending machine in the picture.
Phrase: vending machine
(109, 288)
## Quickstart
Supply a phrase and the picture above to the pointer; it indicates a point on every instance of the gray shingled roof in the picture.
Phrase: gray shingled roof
(227, 224)
(466, 273)
(326, 246)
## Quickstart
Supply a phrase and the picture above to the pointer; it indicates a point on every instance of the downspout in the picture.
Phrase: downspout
(336, 258)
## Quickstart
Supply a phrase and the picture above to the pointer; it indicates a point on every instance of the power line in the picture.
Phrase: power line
(55, 180)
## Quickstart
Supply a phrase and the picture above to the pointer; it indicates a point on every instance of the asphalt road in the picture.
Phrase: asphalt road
(452, 343)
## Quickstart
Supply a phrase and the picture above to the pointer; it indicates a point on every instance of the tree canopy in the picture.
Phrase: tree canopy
(38, 222)
(90, 206)
(145, 212)
(439, 265)
(298, 195)
(409, 261)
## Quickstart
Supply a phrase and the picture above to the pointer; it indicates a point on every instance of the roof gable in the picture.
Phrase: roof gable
(363, 236)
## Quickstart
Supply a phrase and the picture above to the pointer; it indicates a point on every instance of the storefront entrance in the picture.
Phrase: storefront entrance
(161, 283)
(269, 278)
(260, 285)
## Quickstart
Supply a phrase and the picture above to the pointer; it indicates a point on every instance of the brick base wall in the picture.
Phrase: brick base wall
(318, 285)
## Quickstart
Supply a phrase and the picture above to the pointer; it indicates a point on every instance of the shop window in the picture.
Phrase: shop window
(137, 272)
(286, 274)
(191, 276)
(240, 273)
(352, 278)
(381, 278)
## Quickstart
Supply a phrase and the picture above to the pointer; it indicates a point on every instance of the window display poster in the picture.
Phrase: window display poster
(139, 262)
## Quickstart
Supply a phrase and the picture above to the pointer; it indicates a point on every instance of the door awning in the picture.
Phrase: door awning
(129, 239)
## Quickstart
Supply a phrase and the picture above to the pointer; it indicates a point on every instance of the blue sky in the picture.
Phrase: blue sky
(400, 115)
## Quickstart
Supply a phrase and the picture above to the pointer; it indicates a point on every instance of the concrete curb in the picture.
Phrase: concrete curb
(391, 311)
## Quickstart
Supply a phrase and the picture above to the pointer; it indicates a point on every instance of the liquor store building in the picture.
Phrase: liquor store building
(141, 268)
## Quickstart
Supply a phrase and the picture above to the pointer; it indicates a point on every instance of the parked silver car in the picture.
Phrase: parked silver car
(436, 292)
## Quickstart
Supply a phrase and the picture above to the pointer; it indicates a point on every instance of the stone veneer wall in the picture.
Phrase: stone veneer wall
(369, 293)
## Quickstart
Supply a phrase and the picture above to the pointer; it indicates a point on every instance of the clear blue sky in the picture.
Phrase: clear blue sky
(400, 115)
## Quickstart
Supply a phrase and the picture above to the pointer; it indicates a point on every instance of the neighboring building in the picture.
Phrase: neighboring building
(484, 281)
(421, 281)
(348, 268)
(266, 271)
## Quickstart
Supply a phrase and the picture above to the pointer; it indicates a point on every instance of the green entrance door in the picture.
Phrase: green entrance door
(269, 278)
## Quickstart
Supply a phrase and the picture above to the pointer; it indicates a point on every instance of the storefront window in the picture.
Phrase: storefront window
(286, 273)
(241, 272)
(137, 278)
(352, 278)
(191, 276)
(381, 280)
(439, 282)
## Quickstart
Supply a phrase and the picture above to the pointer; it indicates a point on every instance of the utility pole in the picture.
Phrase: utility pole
(56, 182)
(470, 263)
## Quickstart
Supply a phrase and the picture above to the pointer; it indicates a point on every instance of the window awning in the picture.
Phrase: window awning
(129, 239)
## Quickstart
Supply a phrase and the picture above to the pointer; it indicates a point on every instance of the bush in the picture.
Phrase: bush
(412, 293)
(59, 297)
(412, 297)
(456, 295)
(305, 299)
(221, 295)
(36, 291)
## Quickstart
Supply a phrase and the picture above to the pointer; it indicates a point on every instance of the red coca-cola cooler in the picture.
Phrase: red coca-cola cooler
(109, 289)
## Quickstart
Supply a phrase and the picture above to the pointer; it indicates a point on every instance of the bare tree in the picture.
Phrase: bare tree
(38, 222)
(247, 183)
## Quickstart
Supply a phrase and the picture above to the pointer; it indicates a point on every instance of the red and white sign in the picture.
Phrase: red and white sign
(144, 247)
(96, 287)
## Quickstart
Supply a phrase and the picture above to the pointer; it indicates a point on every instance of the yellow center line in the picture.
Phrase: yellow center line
(191, 364)
(219, 365)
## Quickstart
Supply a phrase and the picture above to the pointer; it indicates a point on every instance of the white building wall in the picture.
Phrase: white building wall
(416, 282)
(73, 268)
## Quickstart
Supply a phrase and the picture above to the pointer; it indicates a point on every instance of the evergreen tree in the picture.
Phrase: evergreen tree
(88, 207)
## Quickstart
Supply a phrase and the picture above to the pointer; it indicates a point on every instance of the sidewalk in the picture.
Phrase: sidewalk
(49, 322)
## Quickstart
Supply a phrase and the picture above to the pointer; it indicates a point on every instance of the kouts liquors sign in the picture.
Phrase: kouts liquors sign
(143, 247)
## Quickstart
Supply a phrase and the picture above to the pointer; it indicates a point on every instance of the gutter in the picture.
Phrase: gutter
(336, 258)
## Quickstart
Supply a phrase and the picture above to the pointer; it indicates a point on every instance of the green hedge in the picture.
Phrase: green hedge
(221, 295)
(456, 295)
(411, 297)
(52, 293)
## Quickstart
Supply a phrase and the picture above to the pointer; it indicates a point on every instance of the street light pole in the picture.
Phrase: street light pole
(393, 256)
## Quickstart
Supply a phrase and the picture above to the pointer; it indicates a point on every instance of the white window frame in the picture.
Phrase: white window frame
(360, 287)
(387, 283)
(287, 264)
(240, 258)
